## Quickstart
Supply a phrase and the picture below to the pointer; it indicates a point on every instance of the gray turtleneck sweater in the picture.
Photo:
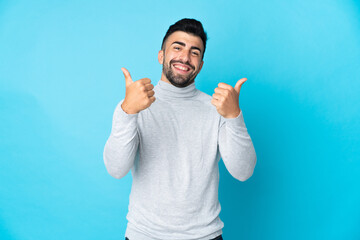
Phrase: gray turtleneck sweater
(173, 149)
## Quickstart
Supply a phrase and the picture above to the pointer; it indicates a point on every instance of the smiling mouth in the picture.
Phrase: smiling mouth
(182, 68)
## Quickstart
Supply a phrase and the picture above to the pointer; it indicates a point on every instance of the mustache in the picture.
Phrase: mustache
(185, 63)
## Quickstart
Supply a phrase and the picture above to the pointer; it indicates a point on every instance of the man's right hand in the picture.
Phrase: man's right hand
(139, 94)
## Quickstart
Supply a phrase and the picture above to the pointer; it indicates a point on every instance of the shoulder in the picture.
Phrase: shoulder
(203, 97)
(204, 100)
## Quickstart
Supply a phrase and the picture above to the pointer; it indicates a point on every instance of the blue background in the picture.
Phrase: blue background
(60, 81)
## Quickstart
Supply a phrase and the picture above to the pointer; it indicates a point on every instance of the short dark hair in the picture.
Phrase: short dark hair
(187, 25)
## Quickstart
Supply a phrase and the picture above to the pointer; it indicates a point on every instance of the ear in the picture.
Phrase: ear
(161, 56)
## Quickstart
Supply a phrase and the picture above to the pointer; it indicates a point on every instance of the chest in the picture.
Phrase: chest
(189, 123)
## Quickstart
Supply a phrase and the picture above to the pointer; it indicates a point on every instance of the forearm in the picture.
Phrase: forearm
(236, 148)
(121, 147)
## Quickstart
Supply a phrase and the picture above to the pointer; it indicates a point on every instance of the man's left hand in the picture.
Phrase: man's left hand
(226, 99)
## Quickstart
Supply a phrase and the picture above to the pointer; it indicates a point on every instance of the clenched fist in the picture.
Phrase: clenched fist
(139, 94)
(226, 99)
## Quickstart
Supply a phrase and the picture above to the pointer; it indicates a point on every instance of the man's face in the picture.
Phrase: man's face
(181, 58)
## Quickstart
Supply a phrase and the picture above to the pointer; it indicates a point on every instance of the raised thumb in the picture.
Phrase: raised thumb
(127, 76)
(238, 84)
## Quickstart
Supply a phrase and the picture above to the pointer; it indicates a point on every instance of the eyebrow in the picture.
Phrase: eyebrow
(183, 44)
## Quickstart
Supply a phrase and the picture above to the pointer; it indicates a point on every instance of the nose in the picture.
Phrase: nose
(185, 56)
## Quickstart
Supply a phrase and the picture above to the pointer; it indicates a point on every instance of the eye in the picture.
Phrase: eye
(195, 53)
(177, 48)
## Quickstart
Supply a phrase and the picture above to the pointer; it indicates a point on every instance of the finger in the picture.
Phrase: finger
(239, 84)
(149, 86)
(221, 91)
(214, 102)
(150, 93)
(127, 76)
(145, 80)
(225, 86)
(217, 96)
(152, 99)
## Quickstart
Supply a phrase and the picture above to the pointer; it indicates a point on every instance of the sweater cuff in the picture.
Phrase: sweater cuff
(235, 122)
(123, 120)
(123, 114)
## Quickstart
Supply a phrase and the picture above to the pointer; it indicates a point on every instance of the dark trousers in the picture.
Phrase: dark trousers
(217, 238)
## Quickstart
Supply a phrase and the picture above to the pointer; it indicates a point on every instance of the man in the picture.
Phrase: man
(173, 145)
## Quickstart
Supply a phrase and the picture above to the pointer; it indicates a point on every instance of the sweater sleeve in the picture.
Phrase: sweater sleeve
(236, 148)
(122, 145)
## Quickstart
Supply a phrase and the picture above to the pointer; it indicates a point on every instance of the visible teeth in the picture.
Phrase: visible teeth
(182, 68)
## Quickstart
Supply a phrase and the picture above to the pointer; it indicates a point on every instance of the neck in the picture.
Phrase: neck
(166, 90)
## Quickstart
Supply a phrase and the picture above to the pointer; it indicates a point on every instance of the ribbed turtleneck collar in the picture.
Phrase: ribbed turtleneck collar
(167, 90)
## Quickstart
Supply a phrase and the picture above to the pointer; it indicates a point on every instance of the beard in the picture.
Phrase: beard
(179, 80)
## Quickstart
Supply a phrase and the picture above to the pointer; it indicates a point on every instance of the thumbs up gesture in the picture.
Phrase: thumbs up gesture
(226, 99)
(139, 94)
